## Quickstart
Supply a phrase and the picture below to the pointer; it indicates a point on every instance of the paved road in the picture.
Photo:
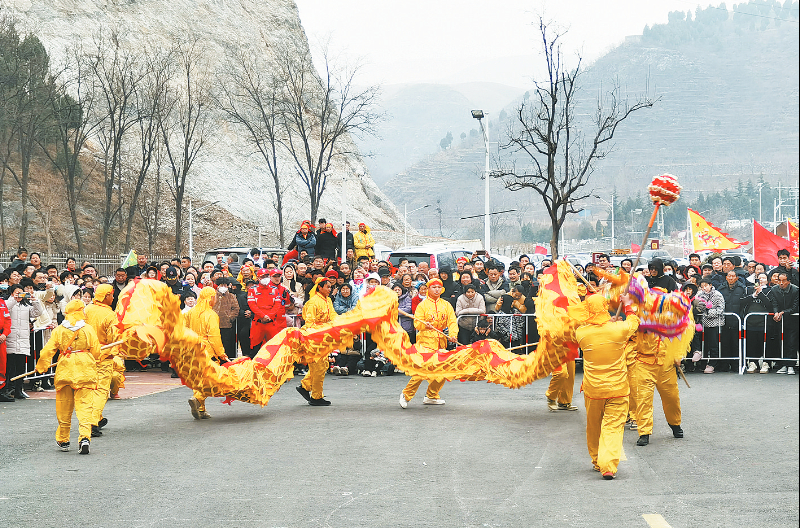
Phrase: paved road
(491, 457)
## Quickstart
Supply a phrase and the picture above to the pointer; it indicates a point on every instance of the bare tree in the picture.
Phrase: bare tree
(545, 131)
(253, 100)
(71, 100)
(186, 124)
(150, 103)
(117, 78)
(149, 204)
(25, 113)
(321, 112)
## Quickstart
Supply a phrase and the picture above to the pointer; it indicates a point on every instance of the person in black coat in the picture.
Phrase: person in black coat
(244, 318)
(451, 289)
(657, 279)
(327, 243)
(349, 240)
(734, 294)
(784, 297)
(756, 301)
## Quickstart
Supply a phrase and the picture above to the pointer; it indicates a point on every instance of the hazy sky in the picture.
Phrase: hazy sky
(467, 40)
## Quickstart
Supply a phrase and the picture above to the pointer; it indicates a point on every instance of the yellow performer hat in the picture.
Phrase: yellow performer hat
(73, 311)
(597, 310)
(104, 293)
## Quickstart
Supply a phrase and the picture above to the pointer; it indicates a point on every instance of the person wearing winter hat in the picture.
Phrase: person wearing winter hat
(204, 321)
(76, 374)
(433, 316)
(317, 311)
(103, 320)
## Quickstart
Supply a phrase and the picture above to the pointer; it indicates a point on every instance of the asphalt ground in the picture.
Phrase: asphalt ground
(490, 457)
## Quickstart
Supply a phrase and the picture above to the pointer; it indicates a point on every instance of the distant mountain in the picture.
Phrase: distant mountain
(728, 110)
(419, 116)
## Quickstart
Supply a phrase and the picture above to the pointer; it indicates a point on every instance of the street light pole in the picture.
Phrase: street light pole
(405, 221)
(760, 218)
(479, 115)
(613, 239)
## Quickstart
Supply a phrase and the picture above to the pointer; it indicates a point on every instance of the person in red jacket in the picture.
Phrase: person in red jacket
(268, 302)
(6, 395)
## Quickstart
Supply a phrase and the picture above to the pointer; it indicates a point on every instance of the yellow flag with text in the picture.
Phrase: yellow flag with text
(706, 236)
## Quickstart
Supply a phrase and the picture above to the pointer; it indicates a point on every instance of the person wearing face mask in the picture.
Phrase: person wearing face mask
(657, 279)
(268, 302)
(227, 308)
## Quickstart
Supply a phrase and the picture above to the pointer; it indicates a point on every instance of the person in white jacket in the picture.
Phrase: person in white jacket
(23, 309)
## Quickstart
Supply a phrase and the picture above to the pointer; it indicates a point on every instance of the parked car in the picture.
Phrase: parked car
(435, 256)
(241, 252)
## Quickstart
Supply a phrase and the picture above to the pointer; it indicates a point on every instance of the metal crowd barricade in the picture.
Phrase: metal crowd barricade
(495, 316)
(766, 334)
(739, 354)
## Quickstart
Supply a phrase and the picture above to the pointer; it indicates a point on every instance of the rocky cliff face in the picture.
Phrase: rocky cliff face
(226, 171)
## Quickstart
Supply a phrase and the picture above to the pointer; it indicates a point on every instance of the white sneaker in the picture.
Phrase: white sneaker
(403, 402)
(366, 374)
(764, 368)
(709, 370)
(751, 367)
(374, 373)
(782, 370)
(432, 401)
(790, 371)
(697, 356)
(335, 370)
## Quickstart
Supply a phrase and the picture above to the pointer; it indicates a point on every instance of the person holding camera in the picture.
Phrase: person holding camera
(23, 308)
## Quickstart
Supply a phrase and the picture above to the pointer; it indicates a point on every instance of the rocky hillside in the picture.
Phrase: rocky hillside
(226, 170)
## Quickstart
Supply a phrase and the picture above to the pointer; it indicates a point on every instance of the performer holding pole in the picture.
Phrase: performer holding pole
(433, 316)
(205, 323)
(101, 317)
(664, 190)
(76, 374)
(317, 311)
(605, 380)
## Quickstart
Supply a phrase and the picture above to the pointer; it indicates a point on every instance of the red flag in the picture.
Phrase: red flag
(794, 238)
(766, 245)
(540, 250)
(635, 248)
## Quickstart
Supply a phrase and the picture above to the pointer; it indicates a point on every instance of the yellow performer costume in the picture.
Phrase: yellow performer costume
(205, 323)
(76, 374)
(439, 314)
(605, 382)
(363, 241)
(117, 377)
(652, 370)
(630, 359)
(316, 312)
(101, 317)
(562, 385)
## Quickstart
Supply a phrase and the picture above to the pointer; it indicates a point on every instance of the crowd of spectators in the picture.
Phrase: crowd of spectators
(489, 300)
